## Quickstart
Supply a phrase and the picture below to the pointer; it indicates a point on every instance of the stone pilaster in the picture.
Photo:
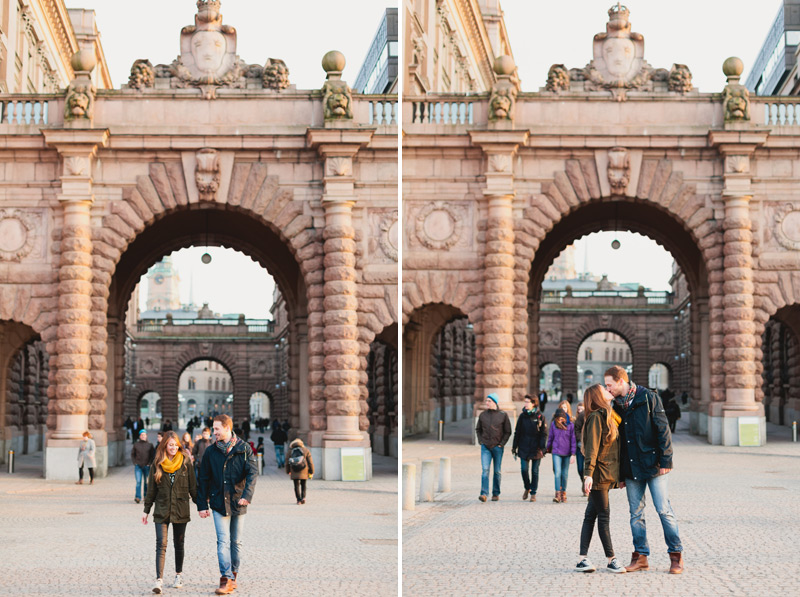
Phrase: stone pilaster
(739, 327)
(498, 326)
(342, 348)
(73, 363)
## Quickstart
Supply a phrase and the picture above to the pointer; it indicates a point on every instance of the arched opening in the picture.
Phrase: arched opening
(202, 370)
(591, 370)
(231, 386)
(382, 385)
(260, 409)
(780, 364)
(656, 325)
(658, 378)
(439, 366)
(24, 373)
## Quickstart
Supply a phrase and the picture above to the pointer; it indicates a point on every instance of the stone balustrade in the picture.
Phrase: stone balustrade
(30, 109)
(447, 110)
(776, 111)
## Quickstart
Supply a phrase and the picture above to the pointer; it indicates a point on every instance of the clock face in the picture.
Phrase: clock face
(158, 279)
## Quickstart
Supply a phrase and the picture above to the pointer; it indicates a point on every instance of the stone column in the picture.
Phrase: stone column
(739, 327)
(342, 350)
(498, 326)
(73, 362)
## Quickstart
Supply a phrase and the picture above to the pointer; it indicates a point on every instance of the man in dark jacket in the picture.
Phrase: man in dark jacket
(530, 440)
(200, 447)
(142, 455)
(645, 461)
(227, 481)
(493, 431)
(278, 438)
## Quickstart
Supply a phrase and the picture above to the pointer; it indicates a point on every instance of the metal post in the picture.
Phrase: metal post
(794, 431)
(409, 485)
(441, 430)
(444, 474)
(10, 461)
(260, 464)
(427, 481)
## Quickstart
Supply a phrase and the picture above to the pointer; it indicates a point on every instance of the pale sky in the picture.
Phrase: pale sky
(299, 32)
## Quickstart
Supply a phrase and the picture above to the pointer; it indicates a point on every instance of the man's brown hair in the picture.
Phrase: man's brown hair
(225, 420)
(617, 373)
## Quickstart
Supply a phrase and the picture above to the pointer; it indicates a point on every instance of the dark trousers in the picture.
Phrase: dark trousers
(580, 461)
(300, 489)
(531, 482)
(178, 535)
(91, 473)
(597, 509)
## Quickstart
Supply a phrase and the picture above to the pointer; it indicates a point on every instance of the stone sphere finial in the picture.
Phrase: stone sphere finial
(333, 61)
(83, 60)
(733, 67)
(504, 65)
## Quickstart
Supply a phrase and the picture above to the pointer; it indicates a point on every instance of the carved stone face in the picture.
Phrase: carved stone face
(501, 105)
(737, 105)
(208, 50)
(337, 103)
(78, 103)
(618, 53)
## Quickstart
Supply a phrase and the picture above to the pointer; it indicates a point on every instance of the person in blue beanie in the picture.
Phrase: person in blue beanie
(493, 430)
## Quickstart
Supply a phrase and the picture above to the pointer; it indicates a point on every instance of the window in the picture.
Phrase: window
(588, 354)
(192, 383)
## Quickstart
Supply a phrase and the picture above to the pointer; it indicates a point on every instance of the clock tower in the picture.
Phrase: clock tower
(163, 284)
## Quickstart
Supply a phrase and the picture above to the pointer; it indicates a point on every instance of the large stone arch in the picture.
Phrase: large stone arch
(206, 351)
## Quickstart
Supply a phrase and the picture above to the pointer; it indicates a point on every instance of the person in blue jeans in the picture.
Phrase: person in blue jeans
(142, 454)
(530, 441)
(562, 445)
(226, 484)
(493, 431)
(646, 460)
(279, 438)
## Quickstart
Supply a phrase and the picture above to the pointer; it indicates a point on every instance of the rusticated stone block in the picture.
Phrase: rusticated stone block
(738, 261)
(76, 245)
(73, 361)
(73, 346)
(340, 287)
(339, 260)
(340, 302)
(317, 423)
(340, 273)
(343, 394)
(71, 406)
(342, 347)
(339, 245)
(97, 421)
(340, 377)
(740, 381)
(502, 261)
(341, 362)
(75, 317)
(742, 340)
(740, 368)
(338, 231)
(501, 287)
(334, 320)
(496, 381)
(75, 301)
(72, 394)
(738, 287)
(76, 231)
(738, 330)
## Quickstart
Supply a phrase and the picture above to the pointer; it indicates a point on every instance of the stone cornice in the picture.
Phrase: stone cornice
(742, 142)
(471, 17)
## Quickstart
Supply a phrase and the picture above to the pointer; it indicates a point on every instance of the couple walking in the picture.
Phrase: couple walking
(626, 442)
(226, 481)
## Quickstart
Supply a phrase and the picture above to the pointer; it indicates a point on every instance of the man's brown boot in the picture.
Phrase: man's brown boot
(235, 574)
(564, 496)
(638, 562)
(225, 586)
(676, 562)
(558, 497)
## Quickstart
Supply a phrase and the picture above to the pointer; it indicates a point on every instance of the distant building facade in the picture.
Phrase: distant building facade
(378, 73)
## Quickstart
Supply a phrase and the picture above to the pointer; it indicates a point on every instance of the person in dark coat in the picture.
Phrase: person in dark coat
(580, 417)
(226, 484)
(673, 411)
(530, 440)
(171, 485)
(279, 438)
(646, 457)
(300, 472)
(542, 400)
(142, 455)
(601, 473)
(493, 431)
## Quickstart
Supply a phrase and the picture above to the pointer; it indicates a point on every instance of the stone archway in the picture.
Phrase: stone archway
(383, 385)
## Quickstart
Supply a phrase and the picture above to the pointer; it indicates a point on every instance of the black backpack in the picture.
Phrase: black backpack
(297, 459)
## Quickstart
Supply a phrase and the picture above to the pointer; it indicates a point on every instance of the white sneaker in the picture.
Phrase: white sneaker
(178, 581)
(158, 588)
(585, 566)
(616, 567)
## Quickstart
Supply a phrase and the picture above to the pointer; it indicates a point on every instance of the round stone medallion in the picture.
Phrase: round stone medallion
(12, 235)
(16, 237)
(388, 239)
(787, 226)
(439, 225)
(791, 226)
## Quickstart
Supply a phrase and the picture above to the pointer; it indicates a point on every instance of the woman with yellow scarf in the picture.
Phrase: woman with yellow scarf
(170, 486)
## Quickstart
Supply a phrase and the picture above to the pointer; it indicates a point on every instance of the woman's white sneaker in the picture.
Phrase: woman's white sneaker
(178, 582)
(585, 566)
(158, 587)
(614, 566)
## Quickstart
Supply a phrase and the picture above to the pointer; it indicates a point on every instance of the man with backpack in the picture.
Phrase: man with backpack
(226, 483)
(301, 467)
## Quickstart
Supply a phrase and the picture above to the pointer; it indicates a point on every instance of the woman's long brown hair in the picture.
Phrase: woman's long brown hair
(593, 400)
(161, 453)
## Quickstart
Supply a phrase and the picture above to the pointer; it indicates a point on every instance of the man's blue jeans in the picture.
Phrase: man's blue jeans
(561, 471)
(229, 542)
(489, 455)
(636, 504)
(141, 473)
(280, 455)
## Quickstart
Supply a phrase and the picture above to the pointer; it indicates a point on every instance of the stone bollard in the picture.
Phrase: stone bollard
(409, 485)
(444, 474)
(427, 477)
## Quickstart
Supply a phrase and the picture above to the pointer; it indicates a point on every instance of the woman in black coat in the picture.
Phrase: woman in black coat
(530, 439)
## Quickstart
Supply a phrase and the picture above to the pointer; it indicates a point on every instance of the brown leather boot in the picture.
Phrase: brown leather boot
(558, 497)
(225, 586)
(676, 562)
(638, 562)
(564, 496)
(235, 574)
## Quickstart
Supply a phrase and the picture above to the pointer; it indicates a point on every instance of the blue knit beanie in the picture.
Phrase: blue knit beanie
(494, 397)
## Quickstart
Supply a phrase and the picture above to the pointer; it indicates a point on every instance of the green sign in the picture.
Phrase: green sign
(749, 431)
(353, 465)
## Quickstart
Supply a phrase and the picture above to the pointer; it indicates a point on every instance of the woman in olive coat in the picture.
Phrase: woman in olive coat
(300, 474)
(170, 487)
(601, 473)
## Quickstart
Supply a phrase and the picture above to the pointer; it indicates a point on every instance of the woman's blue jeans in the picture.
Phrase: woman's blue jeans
(531, 482)
(561, 471)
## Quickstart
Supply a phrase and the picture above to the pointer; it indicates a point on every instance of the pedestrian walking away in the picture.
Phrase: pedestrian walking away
(142, 455)
(561, 443)
(300, 466)
(226, 484)
(530, 442)
(646, 460)
(542, 400)
(171, 484)
(493, 431)
(278, 438)
(601, 473)
(86, 451)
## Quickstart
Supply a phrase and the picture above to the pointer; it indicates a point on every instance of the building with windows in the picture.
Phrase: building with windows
(774, 71)
(378, 73)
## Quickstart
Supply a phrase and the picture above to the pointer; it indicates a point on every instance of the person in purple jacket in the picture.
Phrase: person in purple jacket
(562, 445)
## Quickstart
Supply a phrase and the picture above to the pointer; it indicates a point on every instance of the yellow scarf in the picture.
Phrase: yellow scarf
(170, 466)
(616, 417)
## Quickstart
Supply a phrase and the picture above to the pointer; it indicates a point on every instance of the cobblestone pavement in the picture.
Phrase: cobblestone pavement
(65, 539)
(737, 511)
